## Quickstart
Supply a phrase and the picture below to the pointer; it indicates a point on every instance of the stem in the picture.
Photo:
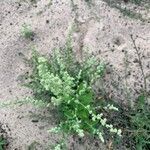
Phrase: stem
(126, 82)
(141, 67)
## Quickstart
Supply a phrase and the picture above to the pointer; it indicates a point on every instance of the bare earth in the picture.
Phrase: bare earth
(100, 28)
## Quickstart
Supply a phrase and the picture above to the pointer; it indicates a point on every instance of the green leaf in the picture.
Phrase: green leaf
(141, 102)
(86, 97)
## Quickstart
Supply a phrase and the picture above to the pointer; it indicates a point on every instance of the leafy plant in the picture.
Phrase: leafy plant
(122, 6)
(137, 1)
(26, 31)
(140, 124)
(2, 143)
(138, 118)
(66, 84)
(130, 13)
(135, 125)
(135, 121)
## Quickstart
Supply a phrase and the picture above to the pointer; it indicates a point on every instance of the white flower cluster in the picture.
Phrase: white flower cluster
(59, 59)
(61, 88)
(55, 130)
(103, 121)
(98, 72)
(68, 83)
(56, 101)
(111, 107)
(96, 117)
(97, 132)
(94, 67)
(101, 137)
(57, 147)
(77, 128)
(84, 88)
(114, 130)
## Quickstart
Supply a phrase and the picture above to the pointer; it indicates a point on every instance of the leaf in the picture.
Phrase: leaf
(141, 102)
(86, 97)
(82, 113)
(139, 147)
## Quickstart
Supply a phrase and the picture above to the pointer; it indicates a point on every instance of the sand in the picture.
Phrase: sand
(100, 28)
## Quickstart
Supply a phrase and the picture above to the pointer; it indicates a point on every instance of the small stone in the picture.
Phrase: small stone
(109, 70)
(96, 144)
(47, 21)
(20, 117)
(136, 60)
(123, 50)
(35, 120)
(148, 64)
(32, 38)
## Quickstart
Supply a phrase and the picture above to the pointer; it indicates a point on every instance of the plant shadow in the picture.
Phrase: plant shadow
(131, 8)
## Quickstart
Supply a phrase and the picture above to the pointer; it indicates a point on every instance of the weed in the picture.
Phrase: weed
(67, 84)
(26, 31)
(141, 66)
(135, 121)
(2, 143)
(130, 13)
(137, 1)
(140, 124)
(33, 145)
(135, 125)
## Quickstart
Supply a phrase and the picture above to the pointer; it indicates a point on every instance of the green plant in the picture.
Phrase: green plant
(137, 1)
(66, 84)
(135, 121)
(140, 124)
(130, 13)
(26, 31)
(2, 143)
(33, 146)
(135, 125)
(140, 116)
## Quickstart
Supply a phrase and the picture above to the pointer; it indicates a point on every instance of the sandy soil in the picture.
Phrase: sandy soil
(100, 27)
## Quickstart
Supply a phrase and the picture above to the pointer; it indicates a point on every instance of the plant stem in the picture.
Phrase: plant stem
(141, 67)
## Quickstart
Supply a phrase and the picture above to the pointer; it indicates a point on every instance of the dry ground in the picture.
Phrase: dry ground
(100, 28)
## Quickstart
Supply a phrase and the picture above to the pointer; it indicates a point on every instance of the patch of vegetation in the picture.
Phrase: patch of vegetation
(26, 31)
(67, 84)
(140, 124)
(33, 146)
(61, 82)
(135, 121)
(2, 143)
(135, 125)
(130, 12)
(138, 1)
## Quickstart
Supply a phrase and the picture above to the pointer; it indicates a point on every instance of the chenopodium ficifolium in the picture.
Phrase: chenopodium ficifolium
(73, 96)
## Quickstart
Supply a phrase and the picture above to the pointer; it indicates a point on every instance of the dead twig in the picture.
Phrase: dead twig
(141, 66)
